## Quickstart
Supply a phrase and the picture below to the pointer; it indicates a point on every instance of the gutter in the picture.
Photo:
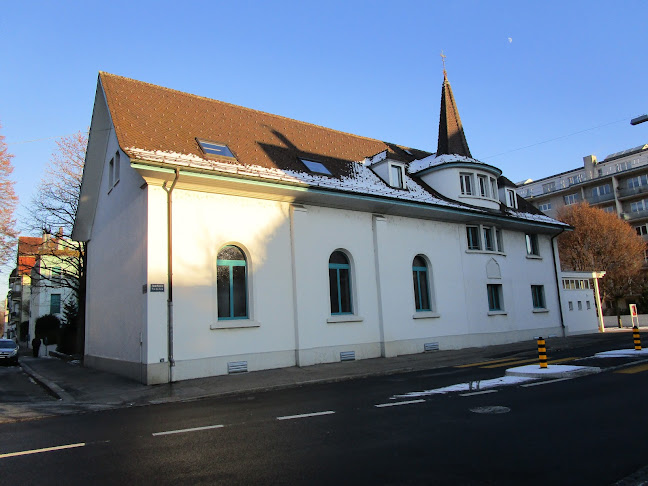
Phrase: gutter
(553, 254)
(476, 214)
(169, 192)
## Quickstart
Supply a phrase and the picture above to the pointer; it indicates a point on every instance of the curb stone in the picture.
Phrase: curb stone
(51, 387)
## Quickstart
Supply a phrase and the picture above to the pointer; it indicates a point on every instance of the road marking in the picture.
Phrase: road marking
(484, 363)
(395, 404)
(509, 363)
(46, 449)
(477, 393)
(554, 361)
(633, 370)
(537, 383)
(194, 429)
(304, 415)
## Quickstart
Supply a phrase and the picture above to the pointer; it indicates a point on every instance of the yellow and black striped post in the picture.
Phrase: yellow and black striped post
(542, 352)
(637, 339)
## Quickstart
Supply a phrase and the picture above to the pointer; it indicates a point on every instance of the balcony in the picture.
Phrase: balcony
(600, 199)
(631, 191)
(635, 215)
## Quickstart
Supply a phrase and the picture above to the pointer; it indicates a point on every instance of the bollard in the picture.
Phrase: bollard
(637, 339)
(542, 352)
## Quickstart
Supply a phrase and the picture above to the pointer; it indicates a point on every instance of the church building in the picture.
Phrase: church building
(223, 239)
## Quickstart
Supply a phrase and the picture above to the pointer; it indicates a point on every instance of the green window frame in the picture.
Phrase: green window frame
(55, 304)
(538, 297)
(231, 283)
(421, 284)
(494, 297)
(340, 284)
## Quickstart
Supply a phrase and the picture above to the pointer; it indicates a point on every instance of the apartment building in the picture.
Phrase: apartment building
(617, 184)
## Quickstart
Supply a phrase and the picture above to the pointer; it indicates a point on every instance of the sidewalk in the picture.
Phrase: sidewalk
(74, 384)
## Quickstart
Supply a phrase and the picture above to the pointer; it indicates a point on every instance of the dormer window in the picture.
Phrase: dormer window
(396, 176)
(466, 181)
(483, 185)
(316, 167)
(511, 200)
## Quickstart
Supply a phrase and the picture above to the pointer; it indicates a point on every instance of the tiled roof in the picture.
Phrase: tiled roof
(153, 118)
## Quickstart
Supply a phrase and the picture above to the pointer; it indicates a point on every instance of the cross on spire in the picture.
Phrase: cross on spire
(443, 58)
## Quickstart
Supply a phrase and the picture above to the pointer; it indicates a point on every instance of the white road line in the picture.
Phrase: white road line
(394, 404)
(304, 415)
(46, 449)
(194, 429)
(484, 392)
(545, 382)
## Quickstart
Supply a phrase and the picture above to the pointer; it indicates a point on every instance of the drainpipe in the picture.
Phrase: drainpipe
(169, 192)
(553, 254)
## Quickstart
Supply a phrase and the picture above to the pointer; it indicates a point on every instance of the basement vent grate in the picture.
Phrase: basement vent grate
(347, 356)
(237, 367)
(431, 347)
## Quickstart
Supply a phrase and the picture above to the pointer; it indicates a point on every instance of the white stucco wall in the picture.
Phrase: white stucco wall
(317, 233)
(115, 305)
(202, 224)
(460, 315)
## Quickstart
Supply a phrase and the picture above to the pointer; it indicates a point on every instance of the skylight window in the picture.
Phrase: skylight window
(316, 167)
(212, 148)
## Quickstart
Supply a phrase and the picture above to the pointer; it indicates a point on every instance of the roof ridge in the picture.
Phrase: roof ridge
(184, 93)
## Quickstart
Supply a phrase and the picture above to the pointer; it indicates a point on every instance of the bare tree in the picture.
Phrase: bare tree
(53, 211)
(602, 241)
(8, 202)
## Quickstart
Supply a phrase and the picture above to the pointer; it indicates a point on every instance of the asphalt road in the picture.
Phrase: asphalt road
(588, 431)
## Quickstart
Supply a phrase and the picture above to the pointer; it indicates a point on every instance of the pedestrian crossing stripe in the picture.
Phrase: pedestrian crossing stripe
(633, 370)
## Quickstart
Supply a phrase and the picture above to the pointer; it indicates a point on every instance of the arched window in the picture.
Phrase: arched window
(231, 283)
(340, 283)
(421, 284)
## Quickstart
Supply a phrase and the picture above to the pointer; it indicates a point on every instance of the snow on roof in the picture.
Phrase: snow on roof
(362, 180)
(434, 161)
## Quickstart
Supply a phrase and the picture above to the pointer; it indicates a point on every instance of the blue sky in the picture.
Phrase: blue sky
(539, 85)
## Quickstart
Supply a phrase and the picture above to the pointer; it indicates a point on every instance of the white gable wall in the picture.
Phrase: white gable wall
(115, 304)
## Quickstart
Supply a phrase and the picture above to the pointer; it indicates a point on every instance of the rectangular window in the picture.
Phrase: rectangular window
(601, 190)
(532, 244)
(580, 305)
(588, 305)
(571, 305)
(544, 207)
(637, 206)
(55, 304)
(493, 183)
(499, 240)
(548, 187)
(316, 167)
(396, 176)
(537, 296)
(213, 148)
(570, 199)
(483, 185)
(466, 184)
(642, 230)
(488, 239)
(494, 297)
(111, 173)
(511, 200)
(609, 209)
(472, 233)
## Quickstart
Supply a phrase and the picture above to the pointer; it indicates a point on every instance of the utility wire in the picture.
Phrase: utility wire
(556, 138)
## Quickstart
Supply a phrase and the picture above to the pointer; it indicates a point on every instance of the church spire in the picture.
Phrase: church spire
(451, 135)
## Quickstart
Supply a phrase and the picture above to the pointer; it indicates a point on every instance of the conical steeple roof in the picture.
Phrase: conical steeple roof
(451, 135)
